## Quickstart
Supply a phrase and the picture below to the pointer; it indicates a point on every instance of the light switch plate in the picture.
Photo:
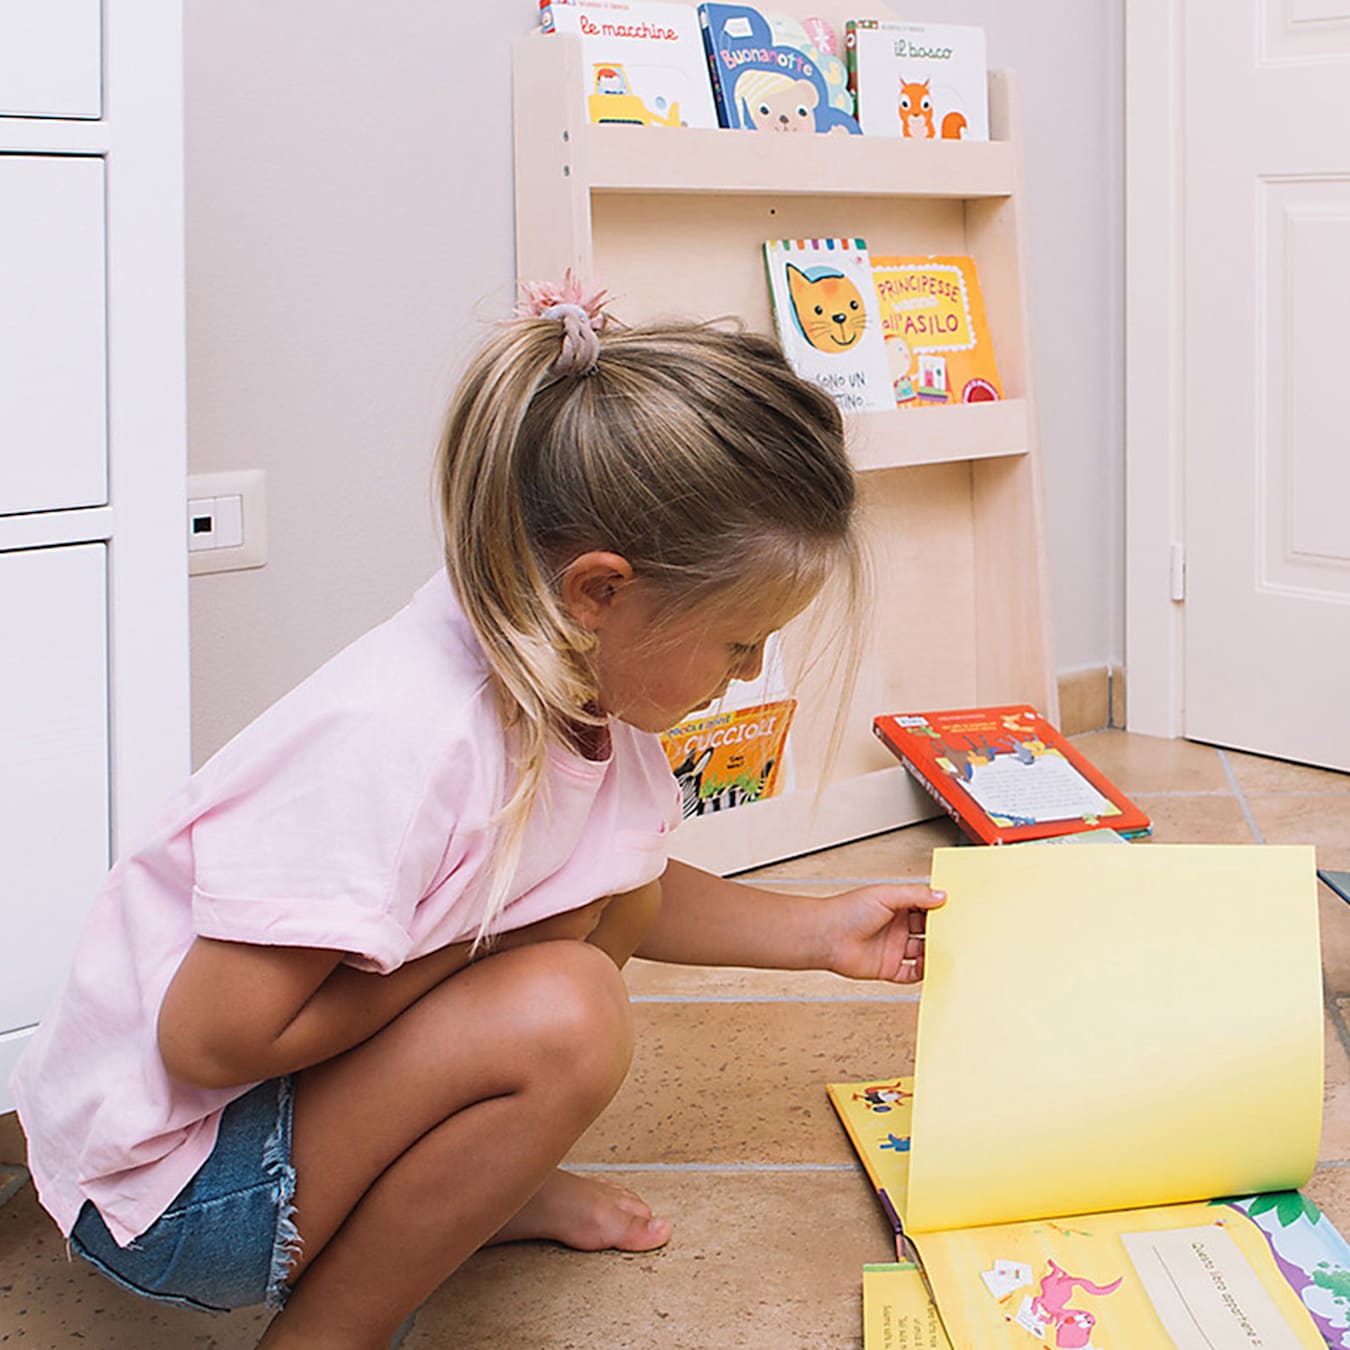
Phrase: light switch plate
(236, 504)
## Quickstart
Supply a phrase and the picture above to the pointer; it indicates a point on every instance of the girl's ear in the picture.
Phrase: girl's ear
(590, 584)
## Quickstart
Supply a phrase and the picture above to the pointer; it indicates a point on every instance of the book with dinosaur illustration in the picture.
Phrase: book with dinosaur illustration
(920, 81)
(937, 337)
(828, 319)
(1103, 1139)
(771, 73)
(642, 60)
(1005, 775)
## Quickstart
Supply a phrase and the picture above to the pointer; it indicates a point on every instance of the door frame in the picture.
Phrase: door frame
(1155, 371)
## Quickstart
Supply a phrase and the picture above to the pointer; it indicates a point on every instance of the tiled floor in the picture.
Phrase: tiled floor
(724, 1125)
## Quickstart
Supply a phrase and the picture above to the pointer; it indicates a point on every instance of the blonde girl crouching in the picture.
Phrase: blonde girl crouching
(385, 924)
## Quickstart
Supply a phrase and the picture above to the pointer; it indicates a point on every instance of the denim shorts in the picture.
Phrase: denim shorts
(228, 1238)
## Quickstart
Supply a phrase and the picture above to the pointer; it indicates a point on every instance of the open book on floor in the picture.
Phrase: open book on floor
(1007, 776)
(1117, 1094)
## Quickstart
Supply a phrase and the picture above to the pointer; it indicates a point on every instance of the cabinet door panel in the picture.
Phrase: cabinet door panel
(51, 55)
(53, 344)
(53, 763)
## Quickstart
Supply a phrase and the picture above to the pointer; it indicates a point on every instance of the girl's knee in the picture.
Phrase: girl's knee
(577, 1007)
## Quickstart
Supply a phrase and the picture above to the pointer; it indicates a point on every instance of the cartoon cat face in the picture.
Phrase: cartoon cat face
(829, 310)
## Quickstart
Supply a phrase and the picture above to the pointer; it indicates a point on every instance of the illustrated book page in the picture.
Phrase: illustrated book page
(642, 60)
(1097, 1075)
(1006, 775)
(937, 336)
(920, 81)
(828, 320)
(768, 73)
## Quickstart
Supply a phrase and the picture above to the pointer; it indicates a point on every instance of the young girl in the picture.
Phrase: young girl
(385, 924)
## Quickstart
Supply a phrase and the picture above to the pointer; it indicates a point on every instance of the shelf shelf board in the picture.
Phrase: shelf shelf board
(905, 438)
(690, 160)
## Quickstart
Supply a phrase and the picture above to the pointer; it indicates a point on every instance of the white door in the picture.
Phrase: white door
(1266, 423)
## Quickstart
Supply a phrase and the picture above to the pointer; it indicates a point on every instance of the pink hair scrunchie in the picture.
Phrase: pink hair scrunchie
(581, 313)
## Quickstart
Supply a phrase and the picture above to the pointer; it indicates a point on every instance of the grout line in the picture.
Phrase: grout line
(1332, 1162)
(711, 1167)
(1334, 1013)
(1242, 800)
(773, 998)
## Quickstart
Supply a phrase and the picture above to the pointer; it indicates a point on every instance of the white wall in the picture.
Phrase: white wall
(350, 226)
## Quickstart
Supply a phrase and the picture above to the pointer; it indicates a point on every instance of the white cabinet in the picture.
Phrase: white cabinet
(51, 58)
(54, 779)
(53, 361)
(93, 558)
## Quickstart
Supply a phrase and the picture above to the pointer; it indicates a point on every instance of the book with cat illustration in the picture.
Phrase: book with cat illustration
(1110, 1115)
(937, 336)
(920, 81)
(771, 74)
(642, 60)
(828, 319)
(731, 757)
(1005, 775)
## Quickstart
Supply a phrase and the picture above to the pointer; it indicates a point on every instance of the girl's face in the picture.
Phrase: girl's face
(653, 675)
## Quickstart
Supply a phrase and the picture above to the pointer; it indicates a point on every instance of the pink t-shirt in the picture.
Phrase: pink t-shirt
(351, 815)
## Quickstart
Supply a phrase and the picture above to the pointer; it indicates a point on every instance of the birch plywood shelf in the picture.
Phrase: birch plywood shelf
(671, 221)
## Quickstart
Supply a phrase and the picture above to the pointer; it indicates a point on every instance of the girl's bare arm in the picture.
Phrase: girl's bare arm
(237, 1012)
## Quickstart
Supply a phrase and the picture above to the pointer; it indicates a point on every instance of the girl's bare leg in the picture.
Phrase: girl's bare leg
(417, 1147)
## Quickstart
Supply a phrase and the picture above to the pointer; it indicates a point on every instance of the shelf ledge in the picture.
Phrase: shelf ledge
(690, 160)
(909, 437)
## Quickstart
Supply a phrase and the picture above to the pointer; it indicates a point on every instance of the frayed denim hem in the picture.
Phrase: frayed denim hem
(277, 1164)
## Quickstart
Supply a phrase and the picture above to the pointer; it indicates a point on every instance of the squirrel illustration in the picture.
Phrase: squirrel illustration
(916, 115)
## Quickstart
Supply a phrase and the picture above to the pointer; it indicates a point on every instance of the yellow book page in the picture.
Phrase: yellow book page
(897, 1312)
(877, 1115)
(1109, 1029)
(1184, 1277)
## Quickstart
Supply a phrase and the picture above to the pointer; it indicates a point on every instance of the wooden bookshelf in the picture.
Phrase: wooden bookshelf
(671, 222)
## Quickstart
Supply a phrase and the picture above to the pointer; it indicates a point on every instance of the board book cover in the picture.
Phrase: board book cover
(828, 319)
(1006, 776)
(919, 81)
(769, 75)
(1102, 1142)
(937, 336)
(642, 60)
(729, 758)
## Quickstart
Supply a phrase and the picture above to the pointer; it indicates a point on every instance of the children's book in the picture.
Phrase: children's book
(828, 319)
(1005, 775)
(729, 758)
(1338, 881)
(1108, 1122)
(937, 337)
(818, 41)
(897, 1312)
(643, 61)
(762, 83)
(921, 81)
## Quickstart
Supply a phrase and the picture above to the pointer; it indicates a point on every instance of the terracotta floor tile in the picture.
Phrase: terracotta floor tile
(1147, 764)
(898, 854)
(756, 1260)
(1196, 820)
(49, 1303)
(719, 1082)
(13, 1147)
(1255, 774)
(1336, 1096)
(1324, 821)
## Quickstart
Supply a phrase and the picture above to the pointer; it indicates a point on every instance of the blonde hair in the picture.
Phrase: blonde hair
(691, 450)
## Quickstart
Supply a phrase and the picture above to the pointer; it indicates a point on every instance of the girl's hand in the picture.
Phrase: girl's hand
(877, 932)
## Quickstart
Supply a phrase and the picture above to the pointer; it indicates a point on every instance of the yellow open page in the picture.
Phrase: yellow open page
(1105, 1029)
(897, 1312)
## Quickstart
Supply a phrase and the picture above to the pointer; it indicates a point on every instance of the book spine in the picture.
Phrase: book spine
(851, 61)
(724, 117)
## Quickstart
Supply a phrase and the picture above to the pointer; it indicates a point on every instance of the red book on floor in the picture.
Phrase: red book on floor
(1006, 776)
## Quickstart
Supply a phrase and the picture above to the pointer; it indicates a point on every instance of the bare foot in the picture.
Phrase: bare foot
(589, 1214)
